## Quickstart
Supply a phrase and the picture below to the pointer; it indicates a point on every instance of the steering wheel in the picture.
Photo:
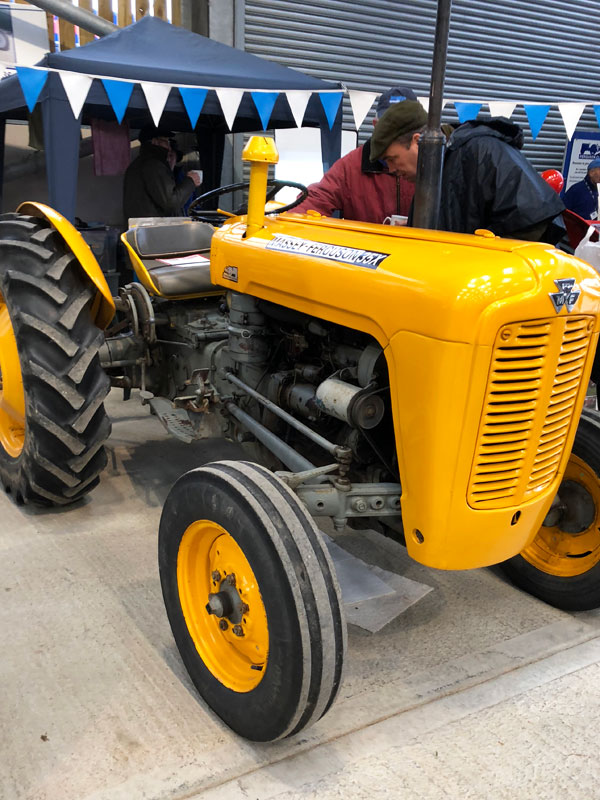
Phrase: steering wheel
(217, 218)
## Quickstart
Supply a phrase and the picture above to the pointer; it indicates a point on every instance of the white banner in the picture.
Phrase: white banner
(361, 103)
(298, 100)
(501, 108)
(570, 113)
(156, 97)
(76, 86)
(230, 100)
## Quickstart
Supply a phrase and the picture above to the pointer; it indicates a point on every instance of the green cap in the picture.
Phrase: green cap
(400, 118)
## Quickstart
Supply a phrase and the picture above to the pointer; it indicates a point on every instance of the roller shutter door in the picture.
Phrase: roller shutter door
(503, 50)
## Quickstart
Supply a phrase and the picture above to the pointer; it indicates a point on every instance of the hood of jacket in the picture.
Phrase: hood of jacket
(499, 127)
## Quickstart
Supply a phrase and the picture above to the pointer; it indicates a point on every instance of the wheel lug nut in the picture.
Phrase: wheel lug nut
(216, 575)
(230, 579)
(245, 608)
(223, 624)
(238, 631)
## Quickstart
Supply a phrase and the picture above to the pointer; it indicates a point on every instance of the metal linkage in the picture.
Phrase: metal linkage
(277, 446)
(335, 450)
(360, 500)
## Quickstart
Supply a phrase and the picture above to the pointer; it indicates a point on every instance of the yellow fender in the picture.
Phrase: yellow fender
(103, 308)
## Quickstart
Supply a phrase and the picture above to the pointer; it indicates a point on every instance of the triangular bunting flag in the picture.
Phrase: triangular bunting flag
(156, 97)
(425, 102)
(76, 88)
(361, 102)
(118, 93)
(536, 114)
(32, 82)
(264, 102)
(571, 112)
(597, 113)
(501, 108)
(230, 100)
(466, 111)
(298, 100)
(193, 100)
(331, 102)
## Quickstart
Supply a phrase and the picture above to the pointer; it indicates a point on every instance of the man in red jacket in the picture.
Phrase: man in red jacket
(359, 188)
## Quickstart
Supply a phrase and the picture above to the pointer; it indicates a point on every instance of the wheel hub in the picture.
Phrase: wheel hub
(226, 602)
(568, 543)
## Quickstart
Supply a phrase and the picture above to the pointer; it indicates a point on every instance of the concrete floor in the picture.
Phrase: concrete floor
(478, 691)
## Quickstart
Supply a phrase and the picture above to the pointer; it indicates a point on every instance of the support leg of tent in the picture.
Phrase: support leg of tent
(331, 141)
(211, 146)
(2, 143)
(61, 141)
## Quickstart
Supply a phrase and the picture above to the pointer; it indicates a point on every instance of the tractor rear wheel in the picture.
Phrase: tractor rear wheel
(252, 599)
(52, 419)
(562, 564)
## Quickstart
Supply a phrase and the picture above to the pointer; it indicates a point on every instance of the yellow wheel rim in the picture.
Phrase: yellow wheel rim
(565, 553)
(12, 396)
(234, 646)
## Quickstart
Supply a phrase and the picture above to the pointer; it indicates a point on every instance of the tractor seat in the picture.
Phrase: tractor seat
(157, 245)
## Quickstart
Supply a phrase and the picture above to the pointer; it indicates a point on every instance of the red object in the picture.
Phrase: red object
(577, 227)
(554, 179)
(363, 196)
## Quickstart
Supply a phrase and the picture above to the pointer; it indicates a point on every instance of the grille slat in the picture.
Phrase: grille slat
(533, 386)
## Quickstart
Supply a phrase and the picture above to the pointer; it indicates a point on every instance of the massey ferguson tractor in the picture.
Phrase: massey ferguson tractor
(424, 384)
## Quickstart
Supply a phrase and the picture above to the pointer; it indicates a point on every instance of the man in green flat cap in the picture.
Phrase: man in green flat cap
(486, 181)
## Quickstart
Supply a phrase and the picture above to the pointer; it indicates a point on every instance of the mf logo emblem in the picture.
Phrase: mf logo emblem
(567, 295)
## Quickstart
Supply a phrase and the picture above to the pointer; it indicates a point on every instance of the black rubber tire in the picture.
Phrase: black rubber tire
(48, 300)
(579, 592)
(299, 589)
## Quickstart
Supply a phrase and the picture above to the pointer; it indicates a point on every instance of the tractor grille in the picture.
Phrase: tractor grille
(532, 388)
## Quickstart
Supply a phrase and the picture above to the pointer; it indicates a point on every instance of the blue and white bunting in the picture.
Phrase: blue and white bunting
(536, 114)
(360, 103)
(466, 110)
(330, 102)
(298, 100)
(193, 100)
(230, 100)
(571, 113)
(264, 102)
(156, 95)
(501, 108)
(76, 86)
(118, 93)
(32, 82)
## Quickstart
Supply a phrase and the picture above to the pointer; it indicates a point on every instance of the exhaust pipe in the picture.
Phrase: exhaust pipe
(78, 16)
(431, 145)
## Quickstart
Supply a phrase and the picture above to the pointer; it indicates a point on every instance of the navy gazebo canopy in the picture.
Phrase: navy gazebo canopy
(156, 52)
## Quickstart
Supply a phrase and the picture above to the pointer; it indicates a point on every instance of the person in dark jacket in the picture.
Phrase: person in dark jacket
(486, 181)
(149, 186)
(361, 188)
(582, 197)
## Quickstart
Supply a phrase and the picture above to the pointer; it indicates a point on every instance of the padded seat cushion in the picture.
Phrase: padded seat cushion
(177, 239)
(172, 241)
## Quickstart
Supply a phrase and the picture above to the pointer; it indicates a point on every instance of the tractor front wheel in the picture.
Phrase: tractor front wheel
(52, 420)
(252, 599)
(562, 564)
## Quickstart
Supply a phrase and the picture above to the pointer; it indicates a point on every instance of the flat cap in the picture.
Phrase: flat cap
(400, 118)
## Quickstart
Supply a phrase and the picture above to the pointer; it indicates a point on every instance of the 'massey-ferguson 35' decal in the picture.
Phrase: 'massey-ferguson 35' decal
(333, 252)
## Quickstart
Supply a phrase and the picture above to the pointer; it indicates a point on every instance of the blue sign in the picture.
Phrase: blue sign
(583, 147)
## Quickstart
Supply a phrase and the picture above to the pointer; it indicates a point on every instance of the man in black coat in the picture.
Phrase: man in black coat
(486, 181)
(149, 186)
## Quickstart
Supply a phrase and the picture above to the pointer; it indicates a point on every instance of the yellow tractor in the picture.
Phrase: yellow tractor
(427, 385)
